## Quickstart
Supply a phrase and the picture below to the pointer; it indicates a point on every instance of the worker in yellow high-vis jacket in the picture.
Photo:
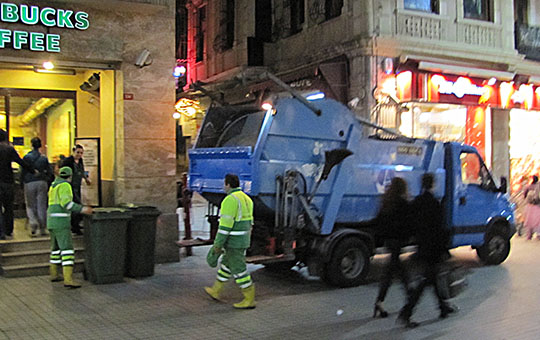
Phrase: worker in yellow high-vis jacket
(233, 239)
(59, 225)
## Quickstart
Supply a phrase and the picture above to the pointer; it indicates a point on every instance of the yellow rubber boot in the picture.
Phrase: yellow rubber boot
(68, 278)
(215, 290)
(249, 298)
(53, 270)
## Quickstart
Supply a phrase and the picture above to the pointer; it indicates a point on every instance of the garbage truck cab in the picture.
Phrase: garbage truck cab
(316, 179)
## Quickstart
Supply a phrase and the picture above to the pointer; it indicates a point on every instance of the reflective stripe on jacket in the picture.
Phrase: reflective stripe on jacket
(61, 205)
(235, 221)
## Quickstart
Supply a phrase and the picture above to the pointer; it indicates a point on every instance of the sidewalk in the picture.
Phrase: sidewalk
(500, 303)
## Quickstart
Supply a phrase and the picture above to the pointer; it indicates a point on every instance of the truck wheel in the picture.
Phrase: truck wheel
(495, 249)
(349, 264)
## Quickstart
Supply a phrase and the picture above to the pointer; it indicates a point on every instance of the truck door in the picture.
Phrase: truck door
(474, 198)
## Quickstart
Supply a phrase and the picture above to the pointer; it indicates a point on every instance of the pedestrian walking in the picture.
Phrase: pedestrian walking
(76, 163)
(532, 209)
(35, 188)
(7, 190)
(393, 226)
(61, 204)
(433, 241)
(233, 239)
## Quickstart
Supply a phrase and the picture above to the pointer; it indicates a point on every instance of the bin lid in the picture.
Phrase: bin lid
(141, 209)
(110, 213)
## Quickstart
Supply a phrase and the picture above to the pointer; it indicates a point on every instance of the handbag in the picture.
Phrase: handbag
(451, 281)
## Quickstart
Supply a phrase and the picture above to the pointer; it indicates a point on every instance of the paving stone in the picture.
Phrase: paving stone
(501, 302)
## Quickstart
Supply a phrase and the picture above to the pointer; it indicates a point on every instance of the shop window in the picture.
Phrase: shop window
(430, 6)
(199, 34)
(332, 8)
(477, 9)
(297, 15)
(442, 122)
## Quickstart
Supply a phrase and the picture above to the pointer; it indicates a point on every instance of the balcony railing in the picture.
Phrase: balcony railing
(528, 41)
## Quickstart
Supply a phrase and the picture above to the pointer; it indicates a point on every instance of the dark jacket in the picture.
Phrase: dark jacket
(7, 156)
(394, 220)
(431, 236)
(78, 171)
(41, 164)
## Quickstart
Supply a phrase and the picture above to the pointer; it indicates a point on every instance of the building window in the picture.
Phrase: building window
(332, 8)
(521, 11)
(228, 24)
(199, 33)
(181, 29)
(430, 6)
(297, 15)
(477, 9)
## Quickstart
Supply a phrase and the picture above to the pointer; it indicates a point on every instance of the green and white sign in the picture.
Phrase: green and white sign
(35, 15)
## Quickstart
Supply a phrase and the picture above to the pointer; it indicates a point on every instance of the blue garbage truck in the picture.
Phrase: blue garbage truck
(316, 171)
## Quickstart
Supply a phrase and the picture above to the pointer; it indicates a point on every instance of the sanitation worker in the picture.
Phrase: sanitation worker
(61, 206)
(233, 239)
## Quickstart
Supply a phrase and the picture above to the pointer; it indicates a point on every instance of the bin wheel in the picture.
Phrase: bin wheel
(495, 248)
(349, 263)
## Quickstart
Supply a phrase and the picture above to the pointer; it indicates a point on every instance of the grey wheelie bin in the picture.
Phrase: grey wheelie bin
(141, 240)
(105, 244)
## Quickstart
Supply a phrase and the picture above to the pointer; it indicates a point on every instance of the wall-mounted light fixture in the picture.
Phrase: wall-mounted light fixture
(143, 59)
(65, 71)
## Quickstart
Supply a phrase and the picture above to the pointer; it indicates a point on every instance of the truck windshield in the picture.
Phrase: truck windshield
(230, 126)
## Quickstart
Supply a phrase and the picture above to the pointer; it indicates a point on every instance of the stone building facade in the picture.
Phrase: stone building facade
(132, 105)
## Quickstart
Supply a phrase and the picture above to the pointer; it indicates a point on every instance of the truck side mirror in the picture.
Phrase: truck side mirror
(504, 185)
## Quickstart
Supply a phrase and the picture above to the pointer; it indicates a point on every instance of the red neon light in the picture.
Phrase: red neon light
(404, 85)
(527, 94)
(506, 90)
(488, 94)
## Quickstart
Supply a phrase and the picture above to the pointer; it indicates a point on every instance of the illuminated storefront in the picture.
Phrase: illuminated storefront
(459, 108)
(93, 73)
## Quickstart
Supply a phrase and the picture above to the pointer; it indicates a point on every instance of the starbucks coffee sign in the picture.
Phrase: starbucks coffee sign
(35, 15)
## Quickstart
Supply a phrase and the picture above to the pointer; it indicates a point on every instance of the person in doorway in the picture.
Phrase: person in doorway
(432, 240)
(393, 226)
(35, 188)
(61, 204)
(233, 239)
(75, 162)
(7, 191)
(532, 209)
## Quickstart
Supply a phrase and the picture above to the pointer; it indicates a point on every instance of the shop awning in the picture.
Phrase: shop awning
(465, 70)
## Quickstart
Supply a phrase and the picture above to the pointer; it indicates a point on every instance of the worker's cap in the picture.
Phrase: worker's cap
(65, 172)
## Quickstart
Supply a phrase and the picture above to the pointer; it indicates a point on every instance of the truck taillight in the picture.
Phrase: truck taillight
(267, 106)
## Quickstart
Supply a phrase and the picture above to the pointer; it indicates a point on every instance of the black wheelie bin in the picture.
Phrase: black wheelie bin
(141, 240)
(105, 244)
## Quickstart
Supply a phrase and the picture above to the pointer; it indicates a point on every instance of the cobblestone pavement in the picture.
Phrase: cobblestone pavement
(501, 302)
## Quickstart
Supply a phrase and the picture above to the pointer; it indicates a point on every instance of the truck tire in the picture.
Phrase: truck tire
(495, 249)
(349, 264)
